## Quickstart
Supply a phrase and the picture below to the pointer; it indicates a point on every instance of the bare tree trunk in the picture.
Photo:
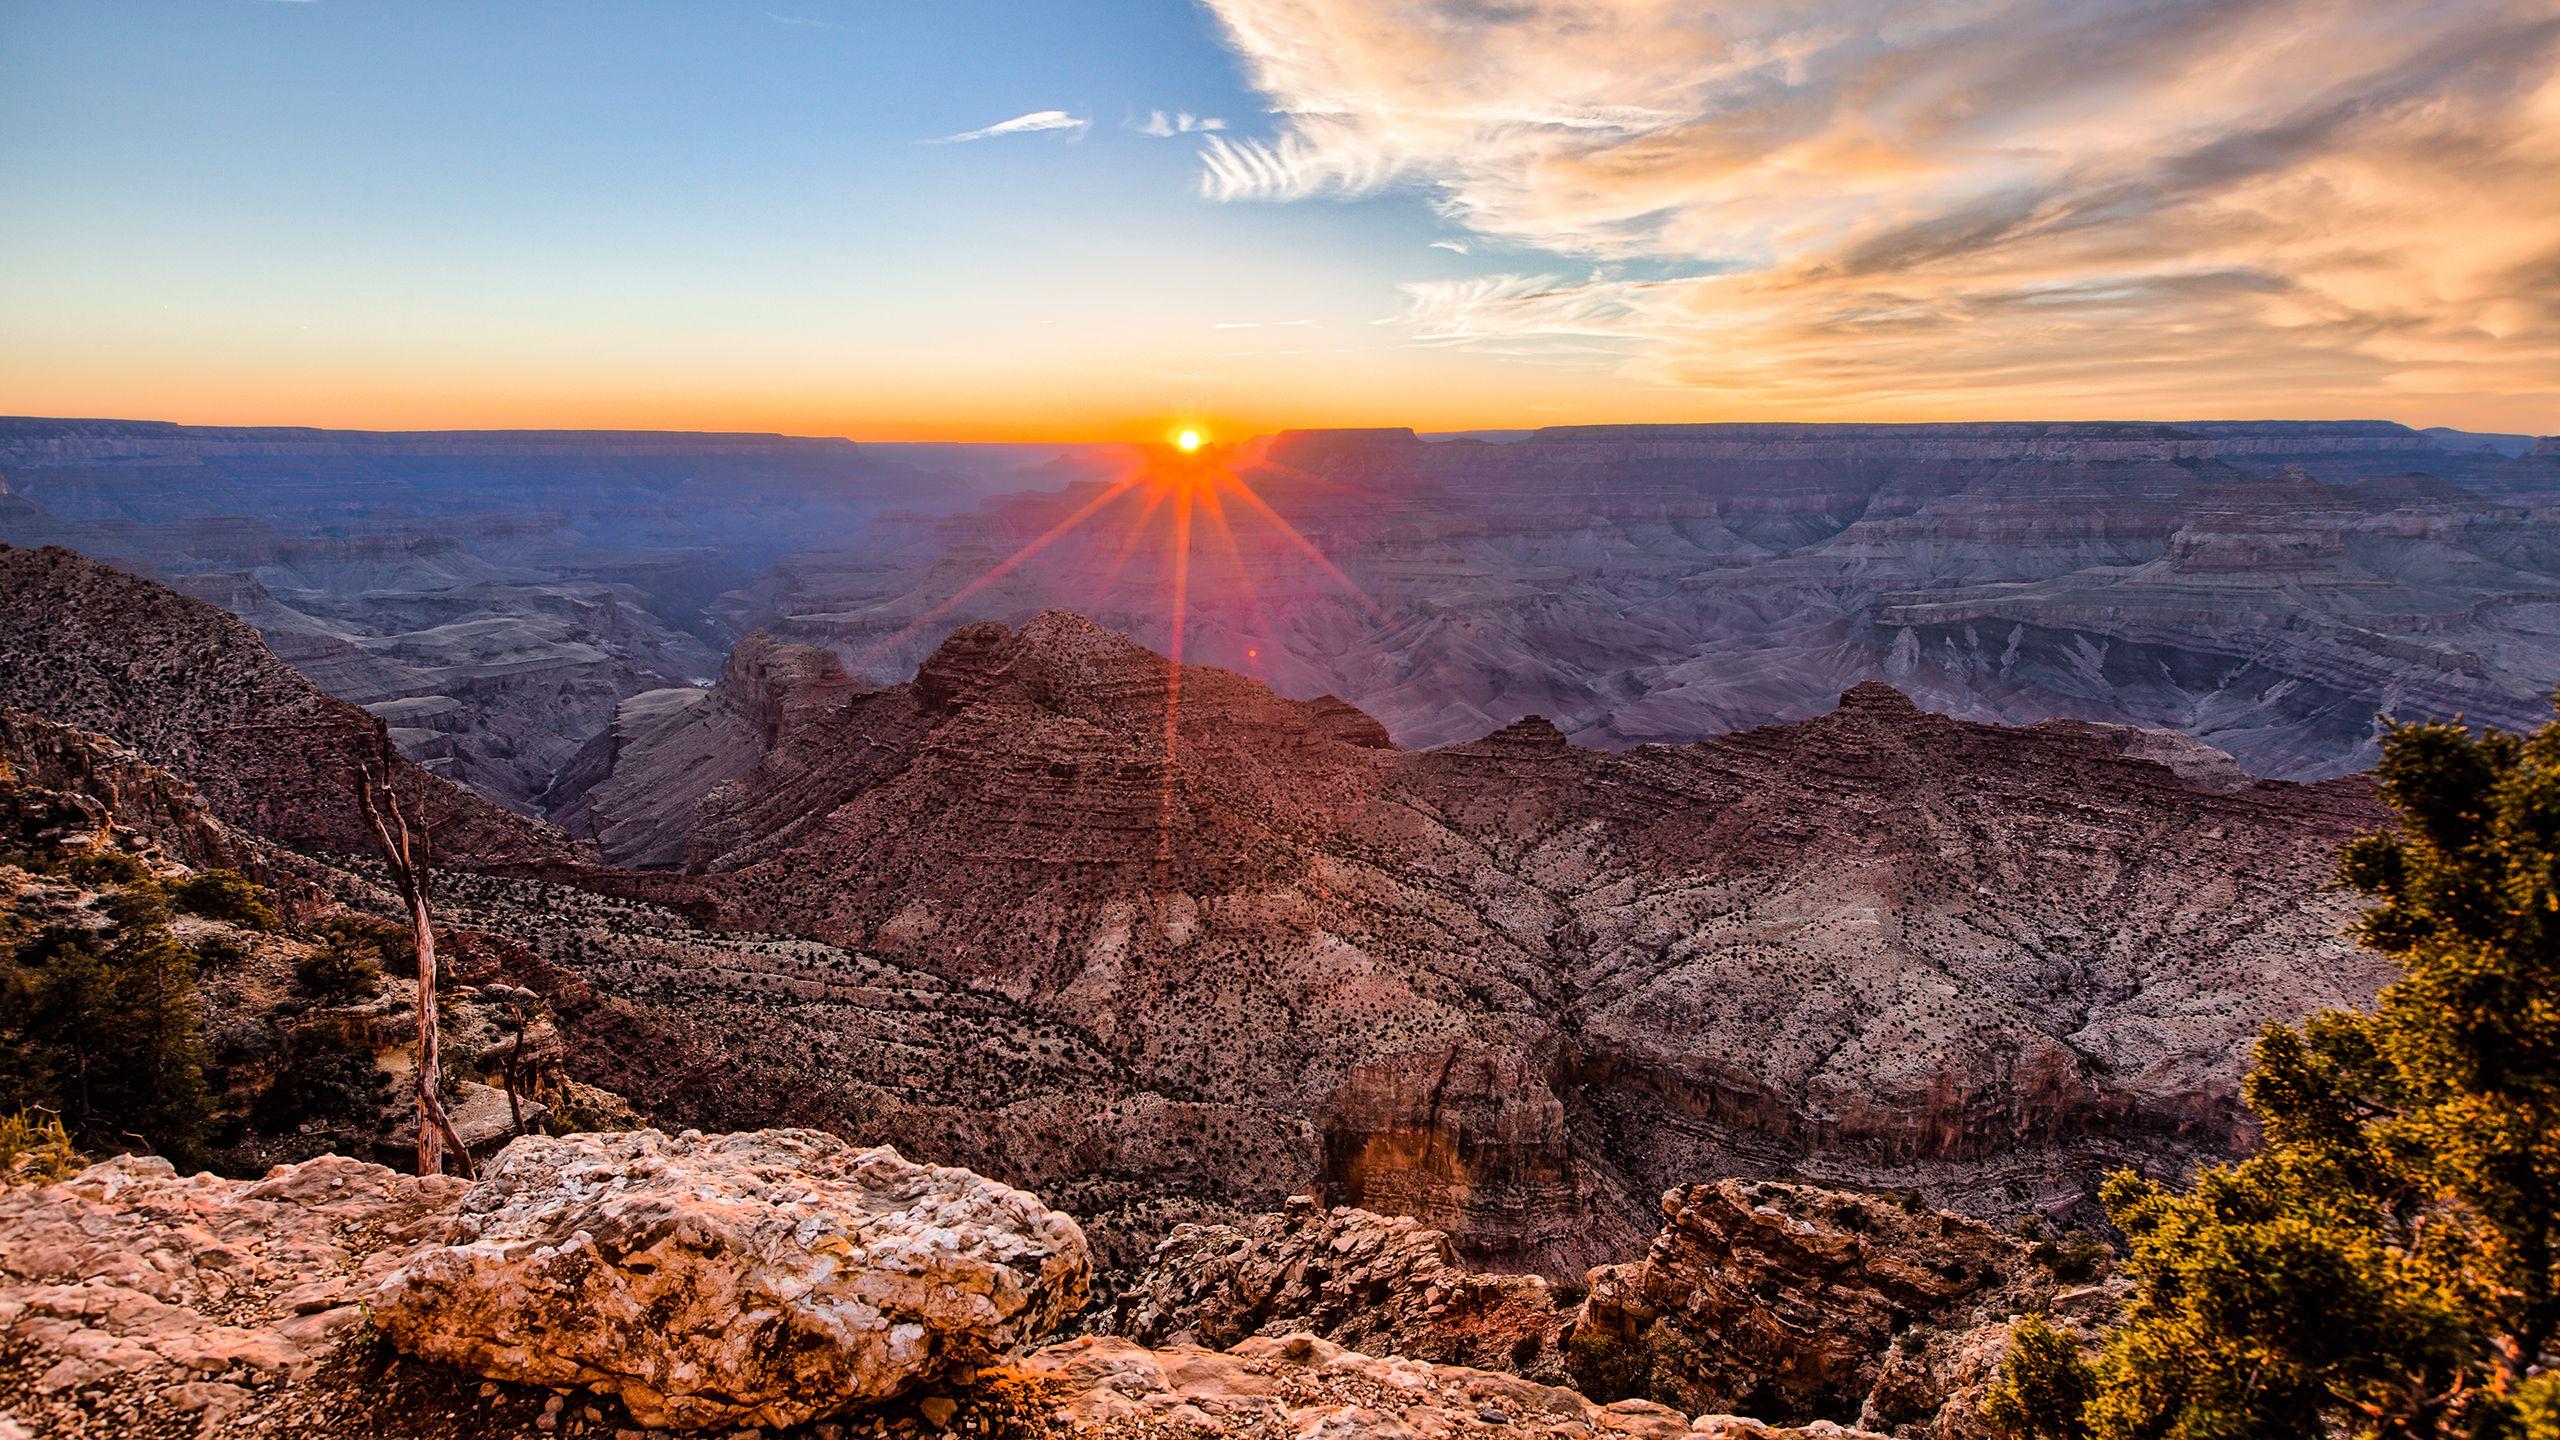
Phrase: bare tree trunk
(515, 1064)
(408, 866)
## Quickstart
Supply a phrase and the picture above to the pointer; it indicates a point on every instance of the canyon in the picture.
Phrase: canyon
(2268, 587)
(1422, 977)
(1513, 988)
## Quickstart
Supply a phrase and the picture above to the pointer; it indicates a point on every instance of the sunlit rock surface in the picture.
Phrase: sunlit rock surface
(751, 1279)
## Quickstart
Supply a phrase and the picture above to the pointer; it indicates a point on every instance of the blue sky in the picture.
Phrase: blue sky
(1438, 212)
(603, 211)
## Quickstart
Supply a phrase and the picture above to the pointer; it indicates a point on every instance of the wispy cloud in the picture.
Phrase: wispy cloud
(804, 21)
(1455, 247)
(1180, 122)
(1946, 205)
(1031, 124)
(1264, 325)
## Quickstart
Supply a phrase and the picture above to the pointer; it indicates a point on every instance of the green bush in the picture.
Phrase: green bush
(338, 971)
(2073, 1258)
(225, 895)
(101, 866)
(329, 1075)
(103, 1030)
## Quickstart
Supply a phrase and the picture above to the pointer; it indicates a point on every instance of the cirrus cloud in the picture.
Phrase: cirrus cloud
(1031, 124)
(2082, 203)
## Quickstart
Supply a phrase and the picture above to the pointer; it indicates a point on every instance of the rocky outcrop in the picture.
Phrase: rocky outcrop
(1797, 1303)
(134, 1300)
(112, 788)
(1471, 1138)
(634, 788)
(193, 690)
(755, 1279)
(130, 1294)
(1380, 1284)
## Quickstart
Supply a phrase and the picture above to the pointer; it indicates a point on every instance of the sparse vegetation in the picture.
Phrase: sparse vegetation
(225, 895)
(339, 968)
(35, 1149)
(101, 1027)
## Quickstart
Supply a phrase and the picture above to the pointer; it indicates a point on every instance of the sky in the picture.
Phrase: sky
(1096, 219)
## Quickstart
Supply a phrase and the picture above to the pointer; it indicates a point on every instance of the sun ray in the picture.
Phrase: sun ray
(1235, 556)
(1305, 546)
(997, 571)
(1173, 666)
(1128, 545)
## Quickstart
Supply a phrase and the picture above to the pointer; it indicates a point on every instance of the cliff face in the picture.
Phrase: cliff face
(192, 689)
(1517, 987)
(634, 787)
(115, 788)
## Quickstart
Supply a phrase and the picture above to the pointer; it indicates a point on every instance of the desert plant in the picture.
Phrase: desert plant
(35, 1149)
(225, 895)
(337, 970)
(102, 866)
(105, 1032)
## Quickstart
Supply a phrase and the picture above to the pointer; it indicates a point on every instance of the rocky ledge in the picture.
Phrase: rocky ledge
(598, 1285)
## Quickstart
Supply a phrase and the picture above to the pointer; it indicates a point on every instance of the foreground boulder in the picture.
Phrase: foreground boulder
(764, 1278)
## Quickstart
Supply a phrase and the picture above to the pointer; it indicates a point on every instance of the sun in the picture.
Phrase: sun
(1188, 439)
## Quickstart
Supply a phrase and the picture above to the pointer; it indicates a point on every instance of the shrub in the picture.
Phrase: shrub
(337, 971)
(2044, 1385)
(329, 1075)
(35, 1149)
(219, 952)
(101, 866)
(2073, 1258)
(225, 895)
(104, 1031)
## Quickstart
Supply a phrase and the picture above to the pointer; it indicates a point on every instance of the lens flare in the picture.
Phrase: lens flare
(1177, 491)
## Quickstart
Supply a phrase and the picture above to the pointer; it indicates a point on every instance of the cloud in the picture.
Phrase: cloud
(1181, 122)
(1942, 205)
(802, 21)
(1031, 124)
(1454, 247)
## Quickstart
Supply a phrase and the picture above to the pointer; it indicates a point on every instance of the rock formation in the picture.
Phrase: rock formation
(134, 1300)
(1796, 1303)
(1517, 988)
(108, 788)
(130, 1294)
(1379, 1284)
(635, 786)
(1641, 584)
(1103, 1389)
(491, 595)
(755, 1279)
